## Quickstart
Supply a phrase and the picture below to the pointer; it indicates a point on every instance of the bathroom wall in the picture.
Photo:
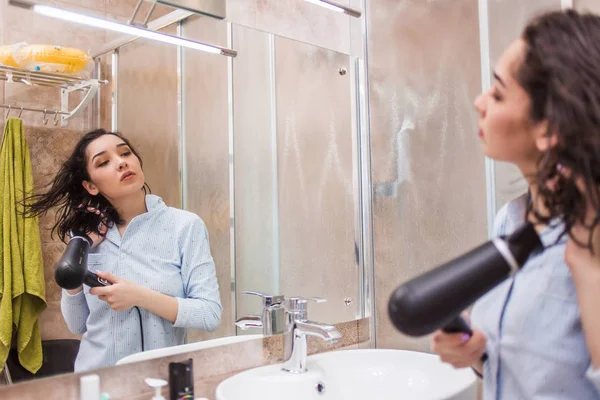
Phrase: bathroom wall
(587, 5)
(428, 169)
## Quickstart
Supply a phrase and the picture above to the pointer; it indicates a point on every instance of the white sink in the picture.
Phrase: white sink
(186, 348)
(356, 375)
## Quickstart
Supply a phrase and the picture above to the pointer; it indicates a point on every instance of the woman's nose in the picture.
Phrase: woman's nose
(480, 104)
(122, 163)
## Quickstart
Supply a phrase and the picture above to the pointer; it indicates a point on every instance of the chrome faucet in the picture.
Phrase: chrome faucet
(295, 347)
(273, 318)
(289, 317)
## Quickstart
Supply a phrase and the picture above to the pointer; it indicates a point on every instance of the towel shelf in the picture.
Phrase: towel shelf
(66, 84)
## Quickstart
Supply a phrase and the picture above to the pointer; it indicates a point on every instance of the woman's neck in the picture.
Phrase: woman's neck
(537, 204)
(130, 207)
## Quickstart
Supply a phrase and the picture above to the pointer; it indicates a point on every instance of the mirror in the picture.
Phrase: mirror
(262, 147)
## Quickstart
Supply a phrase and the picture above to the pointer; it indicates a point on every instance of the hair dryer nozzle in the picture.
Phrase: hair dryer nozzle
(71, 269)
(434, 299)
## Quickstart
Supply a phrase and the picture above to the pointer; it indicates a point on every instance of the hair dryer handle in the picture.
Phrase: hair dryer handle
(93, 280)
(458, 325)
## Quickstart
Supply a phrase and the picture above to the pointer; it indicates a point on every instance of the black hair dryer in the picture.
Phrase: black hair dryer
(71, 270)
(435, 299)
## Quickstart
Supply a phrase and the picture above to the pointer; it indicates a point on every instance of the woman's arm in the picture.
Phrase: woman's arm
(75, 310)
(585, 270)
(201, 306)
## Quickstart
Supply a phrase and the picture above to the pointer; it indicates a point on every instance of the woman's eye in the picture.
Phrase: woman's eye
(496, 96)
(127, 153)
(103, 163)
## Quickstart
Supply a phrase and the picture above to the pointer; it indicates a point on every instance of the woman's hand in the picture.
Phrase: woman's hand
(459, 349)
(97, 239)
(122, 295)
(585, 270)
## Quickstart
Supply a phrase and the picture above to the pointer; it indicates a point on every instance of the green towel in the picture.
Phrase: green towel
(22, 286)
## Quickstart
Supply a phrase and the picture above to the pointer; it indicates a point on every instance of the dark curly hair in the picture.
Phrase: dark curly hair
(68, 194)
(560, 71)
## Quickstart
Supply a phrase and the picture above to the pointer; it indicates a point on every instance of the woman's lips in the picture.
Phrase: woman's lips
(480, 133)
(128, 177)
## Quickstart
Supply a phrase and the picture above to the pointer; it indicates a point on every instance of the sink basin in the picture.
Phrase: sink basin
(186, 348)
(356, 375)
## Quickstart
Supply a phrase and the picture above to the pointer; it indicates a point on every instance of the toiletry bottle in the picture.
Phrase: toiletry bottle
(181, 380)
(157, 384)
(89, 387)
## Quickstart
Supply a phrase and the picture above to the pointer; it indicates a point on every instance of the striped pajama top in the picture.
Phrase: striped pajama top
(536, 346)
(165, 249)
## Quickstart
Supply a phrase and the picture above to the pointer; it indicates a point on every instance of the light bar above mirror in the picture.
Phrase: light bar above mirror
(134, 30)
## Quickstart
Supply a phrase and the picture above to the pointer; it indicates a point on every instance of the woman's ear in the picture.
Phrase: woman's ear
(543, 139)
(90, 187)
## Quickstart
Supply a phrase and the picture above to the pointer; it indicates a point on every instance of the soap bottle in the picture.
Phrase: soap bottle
(157, 384)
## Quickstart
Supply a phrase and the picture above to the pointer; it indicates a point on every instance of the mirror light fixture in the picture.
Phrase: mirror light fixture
(330, 5)
(212, 8)
(65, 15)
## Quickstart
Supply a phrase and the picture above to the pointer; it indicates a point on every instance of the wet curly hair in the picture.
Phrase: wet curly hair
(67, 194)
(560, 71)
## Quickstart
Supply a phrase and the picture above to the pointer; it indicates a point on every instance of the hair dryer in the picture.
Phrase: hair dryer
(71, 270)
(435, 299)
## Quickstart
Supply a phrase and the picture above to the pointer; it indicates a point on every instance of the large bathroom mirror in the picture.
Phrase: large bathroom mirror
(263, 147)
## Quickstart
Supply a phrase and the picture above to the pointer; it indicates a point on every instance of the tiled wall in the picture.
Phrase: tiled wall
(587, 5)
(48, 147)
(211, 366)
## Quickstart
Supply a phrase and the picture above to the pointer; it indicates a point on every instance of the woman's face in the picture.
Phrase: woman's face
(505, 129)
(114, 170)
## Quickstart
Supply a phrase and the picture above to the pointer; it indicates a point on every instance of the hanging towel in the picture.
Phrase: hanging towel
(22, 287)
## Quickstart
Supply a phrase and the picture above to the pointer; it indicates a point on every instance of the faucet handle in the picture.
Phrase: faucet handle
(298, 303)
(268, 300)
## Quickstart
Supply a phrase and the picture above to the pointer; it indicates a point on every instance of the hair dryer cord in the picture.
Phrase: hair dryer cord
(141, 326)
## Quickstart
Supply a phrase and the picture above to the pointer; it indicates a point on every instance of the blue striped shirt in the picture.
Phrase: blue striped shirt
(536, 345)
(165, 249)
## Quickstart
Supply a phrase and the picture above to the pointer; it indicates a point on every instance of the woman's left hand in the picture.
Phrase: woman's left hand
(585, 270)
(585, 266)
(122, 295)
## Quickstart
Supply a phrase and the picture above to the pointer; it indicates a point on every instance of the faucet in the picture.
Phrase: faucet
(295, 347)
(272, 321)
(289, 317)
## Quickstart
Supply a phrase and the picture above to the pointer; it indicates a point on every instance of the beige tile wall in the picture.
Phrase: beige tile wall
(587, 5)
(48, 147)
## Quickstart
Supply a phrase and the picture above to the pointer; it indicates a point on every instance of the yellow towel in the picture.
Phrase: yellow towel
(22, 287)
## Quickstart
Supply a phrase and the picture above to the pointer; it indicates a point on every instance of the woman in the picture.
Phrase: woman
(541, 328)
(156, 257)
